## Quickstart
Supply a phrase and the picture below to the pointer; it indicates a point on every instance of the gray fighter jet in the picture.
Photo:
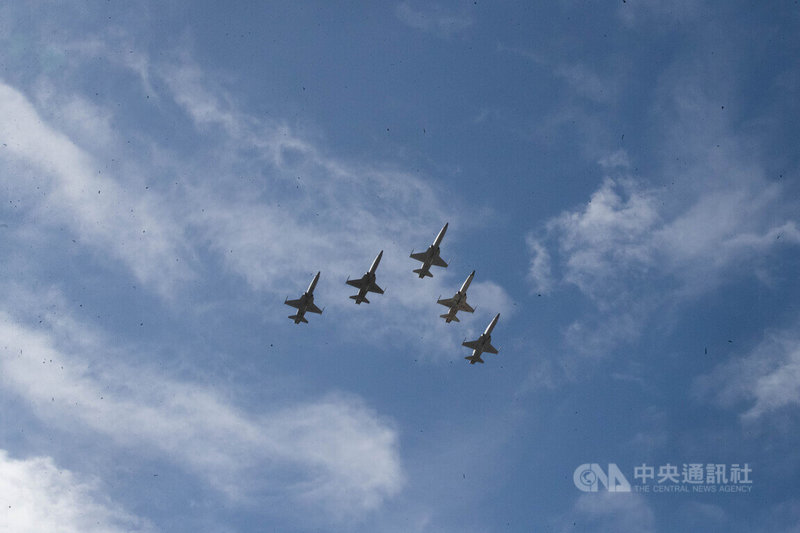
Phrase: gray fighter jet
(305, 303)
(367, 282)
(430, 256)
(458, 302)
(482, 343)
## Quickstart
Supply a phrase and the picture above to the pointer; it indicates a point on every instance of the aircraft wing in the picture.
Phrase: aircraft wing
(488, 348)
(464, 306)
(439, 262)
(447, 302)
(420, 256)
(312, 308)
(374, 288)
(471, 344)
(357, 283)
(293, 303)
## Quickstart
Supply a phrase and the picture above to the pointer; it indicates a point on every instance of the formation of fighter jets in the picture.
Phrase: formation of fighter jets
(428, 258)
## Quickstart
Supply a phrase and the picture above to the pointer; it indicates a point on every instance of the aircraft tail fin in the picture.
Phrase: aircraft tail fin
(422, 273)
(359, 299)
(447, 317)
(474, 359)
(298, 318)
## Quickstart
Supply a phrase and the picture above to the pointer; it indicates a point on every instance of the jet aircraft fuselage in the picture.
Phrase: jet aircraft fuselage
(367, 282)
(430, 257)
(458, 302)
(305, 303)
(482, 344)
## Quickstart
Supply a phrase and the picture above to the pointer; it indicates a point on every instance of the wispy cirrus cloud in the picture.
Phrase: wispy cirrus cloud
(631, 256)
(707, 211)
(761, 383)
(38, 495)
(270, 203)
(332, 454)
(97, 207)
(585, 81)
(314, 208)
(708, 215)
(306, 209)
(625, 232)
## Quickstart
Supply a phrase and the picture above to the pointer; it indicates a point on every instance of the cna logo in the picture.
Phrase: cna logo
(588, 478)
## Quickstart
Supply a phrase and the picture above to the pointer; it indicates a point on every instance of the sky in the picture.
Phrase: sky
(622, 176)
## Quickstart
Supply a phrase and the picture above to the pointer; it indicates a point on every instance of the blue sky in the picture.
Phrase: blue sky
(622, 177)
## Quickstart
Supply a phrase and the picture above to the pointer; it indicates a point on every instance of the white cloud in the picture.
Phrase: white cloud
(598, 334)
(36, 496)
(316, 195)
(351, 451)
(610, 234)
(601, 244)
(706, 214)
(80, 121)
(541, 271)
(307, 210)
(125, 53)
(267, 200)
(98, 210)
(333, 453)
(493, 298)
(761, 383)
(630, 250)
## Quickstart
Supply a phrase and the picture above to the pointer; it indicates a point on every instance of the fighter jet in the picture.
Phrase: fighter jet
(430, 256)
(482, 343)
(367, 282)
(305, 303)
(458, 302)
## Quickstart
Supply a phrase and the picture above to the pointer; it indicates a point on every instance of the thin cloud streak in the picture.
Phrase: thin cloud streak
(334, 453)
(761, 383)
(332, 215)
(95, 207)
(301, 210)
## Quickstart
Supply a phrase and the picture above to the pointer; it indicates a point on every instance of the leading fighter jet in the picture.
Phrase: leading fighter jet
(367, 282)
(305, 303)
(430, 256)
(482, 343)
(458, 302)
